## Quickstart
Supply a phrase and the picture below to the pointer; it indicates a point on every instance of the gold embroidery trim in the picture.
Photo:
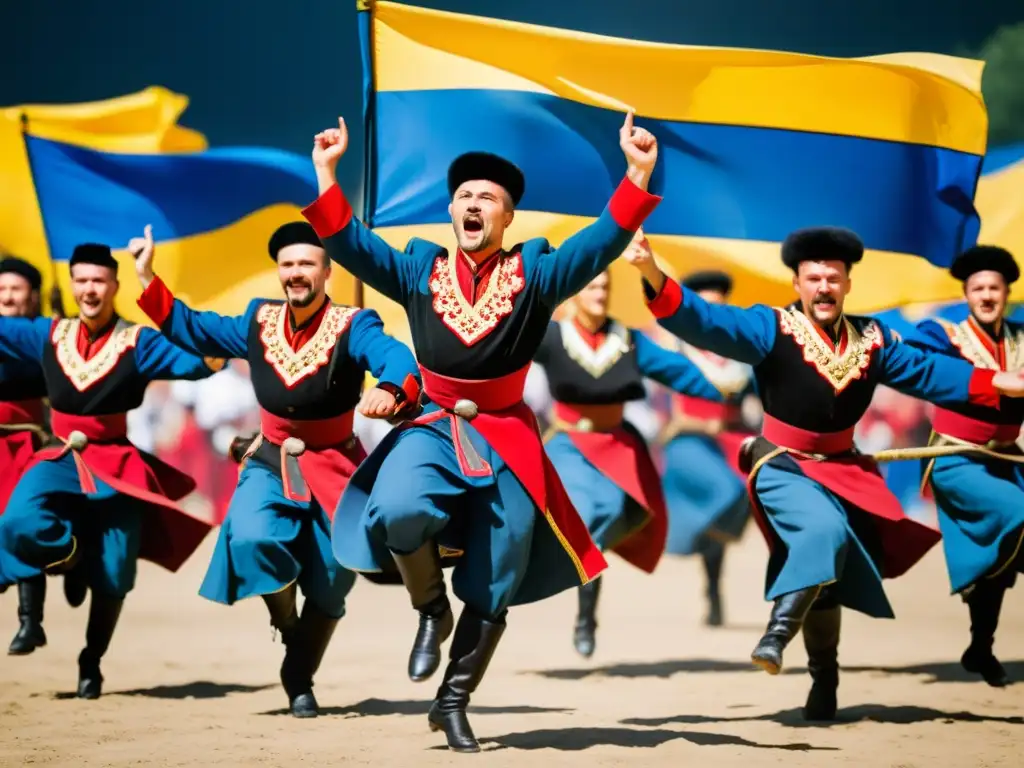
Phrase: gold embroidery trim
(473, 322)
(964, 336)
(838, 369)
(729, 377)
(291, 365)
(84, 373)
(596, 362)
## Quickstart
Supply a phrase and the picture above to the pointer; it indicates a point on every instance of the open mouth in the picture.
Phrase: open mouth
(824, 302)
(472, 225)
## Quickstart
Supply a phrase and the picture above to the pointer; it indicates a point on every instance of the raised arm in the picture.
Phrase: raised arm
(347, 241)
(386, 358)
(203, 333)
(671, 369)
(566, 270)
(941, 379)
(746, 335)
(930, 336)
(24, 339)
(157, 358)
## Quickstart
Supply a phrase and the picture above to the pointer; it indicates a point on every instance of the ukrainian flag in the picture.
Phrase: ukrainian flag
(212, 214)
(1000, 199)
(143, 122)
(753, 144)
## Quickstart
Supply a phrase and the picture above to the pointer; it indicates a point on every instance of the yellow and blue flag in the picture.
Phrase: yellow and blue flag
(1000, 199)
(212, 214)
(143, 122)
(752, 145)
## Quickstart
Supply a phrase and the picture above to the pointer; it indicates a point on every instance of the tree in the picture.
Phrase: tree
(1003, 84)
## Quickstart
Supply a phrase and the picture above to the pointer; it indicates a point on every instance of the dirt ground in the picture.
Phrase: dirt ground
(190, 683)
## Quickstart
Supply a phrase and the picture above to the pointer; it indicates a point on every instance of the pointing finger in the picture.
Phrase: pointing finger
(627, 126)
(149, 234)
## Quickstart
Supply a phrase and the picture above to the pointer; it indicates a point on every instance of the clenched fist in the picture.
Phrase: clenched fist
(1009, 383)
(641, 151)
(143, 250)
(378, 404)
(639, 254)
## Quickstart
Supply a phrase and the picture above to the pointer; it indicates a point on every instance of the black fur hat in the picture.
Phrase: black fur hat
(822, 244)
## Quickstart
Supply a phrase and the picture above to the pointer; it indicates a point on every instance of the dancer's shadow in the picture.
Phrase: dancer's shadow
(943, 672)
(877, 713)
(660, 669)
(382, 707)
(200, 689)
(577, 739)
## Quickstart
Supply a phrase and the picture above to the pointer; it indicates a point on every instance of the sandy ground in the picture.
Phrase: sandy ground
(193, 683)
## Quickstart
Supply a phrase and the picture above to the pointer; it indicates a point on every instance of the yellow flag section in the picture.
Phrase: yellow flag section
(143, 122)
(753, 145)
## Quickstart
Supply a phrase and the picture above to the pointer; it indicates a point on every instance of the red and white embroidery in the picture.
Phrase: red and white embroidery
(292, 366)
(84, 373)
(837, 368)
(472, 322)
(978, 350)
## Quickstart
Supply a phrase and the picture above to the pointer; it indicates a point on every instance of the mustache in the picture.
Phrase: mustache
(824, 299)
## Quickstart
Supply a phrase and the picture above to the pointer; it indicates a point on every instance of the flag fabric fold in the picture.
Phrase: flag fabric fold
(752, 144)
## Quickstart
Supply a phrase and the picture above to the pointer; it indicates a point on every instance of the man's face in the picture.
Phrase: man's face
(712, 296)
(303, 270)
(17, 299)
(987, 293)
(94, 288)
(822, 287)
(481, 211)
(593, 299)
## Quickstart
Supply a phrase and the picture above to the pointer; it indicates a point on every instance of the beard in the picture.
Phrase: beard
(303, 300)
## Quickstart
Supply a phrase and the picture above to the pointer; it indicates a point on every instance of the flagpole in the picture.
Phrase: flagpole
(364, 23)
(56, 298)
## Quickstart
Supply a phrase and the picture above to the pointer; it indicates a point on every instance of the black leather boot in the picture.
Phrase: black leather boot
(284, 616)
(713, 555)
(306, 648)
(586, 620)
(422, 576)
(103, 614)
(76, 582)
(471, 651)
(30, 635)
(985, 602)
(787, 617)
(821, 639)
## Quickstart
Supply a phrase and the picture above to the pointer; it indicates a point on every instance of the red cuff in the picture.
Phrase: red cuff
(411, 387)
(980, 390)
(157, 301)
(330, 213)
(630, 205)
(667, 301)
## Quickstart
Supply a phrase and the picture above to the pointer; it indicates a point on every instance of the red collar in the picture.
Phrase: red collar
(297, 336)
(995, 347)
(594, 339)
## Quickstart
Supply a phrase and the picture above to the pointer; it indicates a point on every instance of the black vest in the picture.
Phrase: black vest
(318, 381)
(580, 375)
(803, 383)
(21, 381)
(497, 336)
(106, 384)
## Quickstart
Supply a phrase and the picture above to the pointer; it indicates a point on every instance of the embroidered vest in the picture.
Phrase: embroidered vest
(976, 347)
(581, 375)
(317, 381)
(21, 381)
(107, 383)
(806, 384)
(730, 377)
(495, 337)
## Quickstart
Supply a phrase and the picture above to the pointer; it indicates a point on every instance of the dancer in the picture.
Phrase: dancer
(834, 528)
(307, 358)
(979, 496)
(22, 389)
(471, 473)
(708, 505)
(95, 505)
(594, 366)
